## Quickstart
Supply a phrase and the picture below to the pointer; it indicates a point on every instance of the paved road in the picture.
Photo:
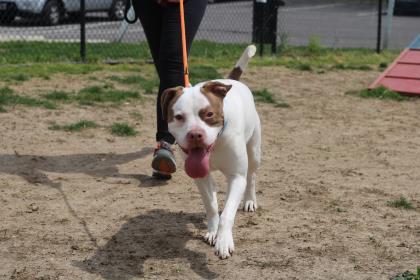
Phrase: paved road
(336, 23)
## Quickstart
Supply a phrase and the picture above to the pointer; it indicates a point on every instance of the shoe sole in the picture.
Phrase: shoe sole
(164, 164)
(161, 176)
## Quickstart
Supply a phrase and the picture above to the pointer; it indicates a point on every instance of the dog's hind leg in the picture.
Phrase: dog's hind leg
(208, 192)
(254, 160)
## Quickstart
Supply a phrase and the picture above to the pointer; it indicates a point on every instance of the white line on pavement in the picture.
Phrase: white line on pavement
(7, 38)
(317, 7)
(365, 14)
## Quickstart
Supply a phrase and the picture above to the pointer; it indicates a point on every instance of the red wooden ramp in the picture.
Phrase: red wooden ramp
(403, 75)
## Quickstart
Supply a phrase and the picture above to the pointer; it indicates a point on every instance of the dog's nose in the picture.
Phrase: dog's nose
(195, 136)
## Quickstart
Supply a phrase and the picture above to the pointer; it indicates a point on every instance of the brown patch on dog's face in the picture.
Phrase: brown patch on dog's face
(214, 92)
(167, 100)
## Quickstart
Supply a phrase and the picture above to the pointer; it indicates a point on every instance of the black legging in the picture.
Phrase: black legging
(161, 25)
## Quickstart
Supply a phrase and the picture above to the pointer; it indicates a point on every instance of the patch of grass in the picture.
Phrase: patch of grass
(401, 202)
(40, 52)
(379, 93)
(314, 58)
(383, 65)
(201, 73)
(41, 59)
(314, 46)
(9, 98)
(148, 85)
(57, 96)
(129, 80)
(342, 66)
(340, 210)
(408, 275)
(45, 70)
(304, 67)
(97, 94)
(4, 92)
(382, 93)
(44, 103)
(215, 54)
(123, 129)
(45, 77)
(281, 105)
(78, 126)
(266, 96)
(19, 77)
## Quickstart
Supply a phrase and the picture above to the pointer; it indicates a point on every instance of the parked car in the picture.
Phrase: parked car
(407, 7)
(51, 12)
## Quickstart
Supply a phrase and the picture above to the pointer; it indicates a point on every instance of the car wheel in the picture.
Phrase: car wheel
(52, 13)
(7, 17)
(117, 10)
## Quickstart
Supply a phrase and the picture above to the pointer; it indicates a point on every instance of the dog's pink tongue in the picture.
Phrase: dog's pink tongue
(197, 163)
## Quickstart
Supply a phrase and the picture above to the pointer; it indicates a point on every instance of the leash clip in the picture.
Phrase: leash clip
(129, 8)
(223, 129)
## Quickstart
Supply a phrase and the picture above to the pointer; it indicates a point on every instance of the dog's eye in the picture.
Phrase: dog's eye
(210, 114)
(179, 117)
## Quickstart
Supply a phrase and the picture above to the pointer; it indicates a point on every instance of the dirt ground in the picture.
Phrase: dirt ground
(82, 205)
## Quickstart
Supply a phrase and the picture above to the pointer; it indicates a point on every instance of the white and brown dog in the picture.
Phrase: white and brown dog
(218, 128)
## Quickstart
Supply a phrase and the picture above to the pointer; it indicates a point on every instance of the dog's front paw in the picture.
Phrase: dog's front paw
(210, 237)
(212, 226)
(250, 206)
(224, 246)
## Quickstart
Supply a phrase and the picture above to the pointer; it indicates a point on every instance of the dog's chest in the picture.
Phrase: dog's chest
(223, 155)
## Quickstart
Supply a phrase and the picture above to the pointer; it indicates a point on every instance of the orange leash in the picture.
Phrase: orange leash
(184, 44)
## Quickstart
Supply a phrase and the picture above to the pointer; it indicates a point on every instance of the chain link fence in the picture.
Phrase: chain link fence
(343, 24)
(337, 24)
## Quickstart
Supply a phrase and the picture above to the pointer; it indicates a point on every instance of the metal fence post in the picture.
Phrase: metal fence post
(262, 32)
(388, 25)
(82, 31)
(258, 24)
(378, 39)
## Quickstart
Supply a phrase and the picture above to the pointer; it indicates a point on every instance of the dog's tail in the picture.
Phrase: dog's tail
(240, 66)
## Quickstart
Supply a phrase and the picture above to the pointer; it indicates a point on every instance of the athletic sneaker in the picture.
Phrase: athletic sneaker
(163, 163)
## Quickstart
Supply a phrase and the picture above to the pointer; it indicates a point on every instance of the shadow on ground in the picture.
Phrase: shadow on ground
(156, 235)
(32, 168)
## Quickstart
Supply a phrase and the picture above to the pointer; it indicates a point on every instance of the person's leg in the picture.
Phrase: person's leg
(170, 54)
(150, 16)
(162, 29)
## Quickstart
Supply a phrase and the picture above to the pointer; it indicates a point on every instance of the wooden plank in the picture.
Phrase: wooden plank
(404, 71)
(377, 82)
(411, 57)
(403, 75)
(402, 85)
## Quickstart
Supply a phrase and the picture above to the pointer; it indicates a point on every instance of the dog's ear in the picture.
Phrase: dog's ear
(216, 88)
(168, 98)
